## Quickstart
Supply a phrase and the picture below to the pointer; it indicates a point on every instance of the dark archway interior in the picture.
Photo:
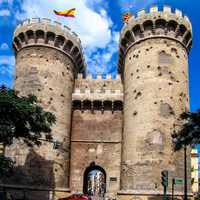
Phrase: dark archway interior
(94, 181)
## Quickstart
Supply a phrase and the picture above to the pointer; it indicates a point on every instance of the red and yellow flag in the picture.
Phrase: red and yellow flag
(126, 16)
(66, 13)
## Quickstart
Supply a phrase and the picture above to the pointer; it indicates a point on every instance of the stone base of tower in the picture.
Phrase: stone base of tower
(34, 192)
(148, 195)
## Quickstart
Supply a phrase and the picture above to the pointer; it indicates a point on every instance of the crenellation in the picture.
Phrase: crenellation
(129, 21)
(167, 9)
(26, 22)
(99, 77)
(108, 77)
(34, 20)
(89, 77)
(178, 13)
(80, 76)
(58, 24)
(88, 91)
(75, 34)
(45, 20)
(51, 34)
(99, 83)
(153, 9)
(118, 77)
(188, 21)
(141, 13)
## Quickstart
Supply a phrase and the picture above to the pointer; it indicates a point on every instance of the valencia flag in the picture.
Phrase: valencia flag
(66, 13)
(127, 16)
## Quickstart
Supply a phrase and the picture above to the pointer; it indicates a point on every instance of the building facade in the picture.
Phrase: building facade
(195, 171)
(115, 134)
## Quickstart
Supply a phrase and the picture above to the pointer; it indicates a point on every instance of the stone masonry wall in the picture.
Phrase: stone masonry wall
(100, 83)
(155, 94)
(48, 57)
(50, 77)
(96, 137)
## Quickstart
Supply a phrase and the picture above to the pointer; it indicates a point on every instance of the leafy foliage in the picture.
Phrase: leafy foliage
(22, 119)
(190, 131)
(6, 165)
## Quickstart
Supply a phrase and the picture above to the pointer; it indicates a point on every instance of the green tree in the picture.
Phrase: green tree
(189, 134)
(22, 119)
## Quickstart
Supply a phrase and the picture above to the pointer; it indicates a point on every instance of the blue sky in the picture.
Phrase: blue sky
(99, 32)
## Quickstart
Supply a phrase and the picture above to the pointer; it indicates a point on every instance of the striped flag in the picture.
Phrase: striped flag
(126, 16)
(66, 13)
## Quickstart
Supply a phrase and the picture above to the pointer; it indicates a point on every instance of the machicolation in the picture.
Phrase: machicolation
(155, 24)
(44, 32)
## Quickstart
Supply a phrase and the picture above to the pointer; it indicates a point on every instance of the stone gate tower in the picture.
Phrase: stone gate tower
(48, 58)
(153, 62)
(115, 134)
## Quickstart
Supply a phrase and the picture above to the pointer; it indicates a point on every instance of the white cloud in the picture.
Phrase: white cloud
(4, 13)
(7, 60)
(93, 26)
(100, 62)
(7, 64)
(4, 46)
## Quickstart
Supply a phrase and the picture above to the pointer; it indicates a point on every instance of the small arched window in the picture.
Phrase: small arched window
(68, 46)
(148, 27)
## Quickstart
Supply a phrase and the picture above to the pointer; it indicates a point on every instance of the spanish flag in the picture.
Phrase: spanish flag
(66, 13)
(126, 16)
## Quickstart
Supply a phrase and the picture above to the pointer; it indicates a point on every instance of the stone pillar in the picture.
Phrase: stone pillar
(153, 61)
(48, 58)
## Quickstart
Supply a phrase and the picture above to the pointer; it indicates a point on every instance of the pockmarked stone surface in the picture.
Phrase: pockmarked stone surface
(154, 66)
(114, 132)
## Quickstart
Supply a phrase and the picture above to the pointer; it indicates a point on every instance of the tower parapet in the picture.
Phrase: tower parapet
(44, 32)
(155, 24)
(102, 93)
(100, 82)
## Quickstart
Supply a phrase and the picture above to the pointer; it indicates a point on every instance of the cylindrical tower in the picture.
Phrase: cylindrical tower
(153, 61)
(48, 58)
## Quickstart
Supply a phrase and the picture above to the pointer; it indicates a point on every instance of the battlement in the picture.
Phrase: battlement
(99, 77)
(98, 93)
(102, 93)
(100, 82)
(155, 23)
(97, 100)
(154, 10)
(45, 32)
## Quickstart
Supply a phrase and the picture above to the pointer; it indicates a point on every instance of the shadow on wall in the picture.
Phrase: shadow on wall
(32, 180)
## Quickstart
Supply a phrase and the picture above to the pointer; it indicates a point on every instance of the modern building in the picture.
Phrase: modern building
(195, 171)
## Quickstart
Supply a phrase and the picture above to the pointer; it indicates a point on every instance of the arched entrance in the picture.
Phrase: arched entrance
(94, 181)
